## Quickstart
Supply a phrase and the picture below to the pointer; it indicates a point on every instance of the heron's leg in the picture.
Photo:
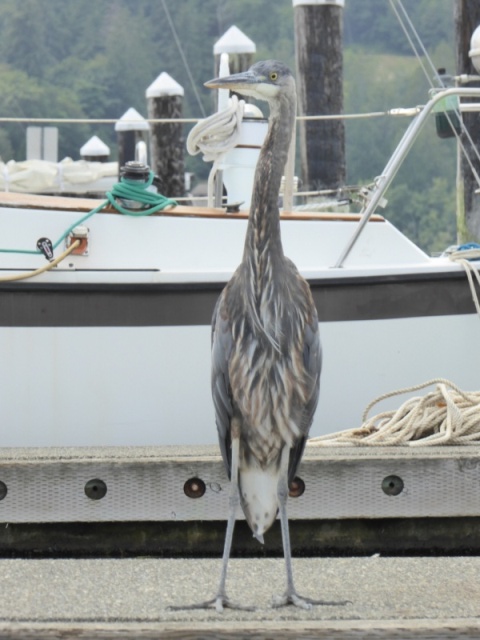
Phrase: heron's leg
(290, 596)
(221, 600)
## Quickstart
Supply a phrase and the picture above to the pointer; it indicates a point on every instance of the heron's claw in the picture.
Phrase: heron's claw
(292, 597)
(220, 602)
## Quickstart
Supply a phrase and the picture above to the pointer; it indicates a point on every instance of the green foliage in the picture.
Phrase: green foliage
(430, 167)
(84, 59)
(372, 24)
(426, 216)
(21, 94)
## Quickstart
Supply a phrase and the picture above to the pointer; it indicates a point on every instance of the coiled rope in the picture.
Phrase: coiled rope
(463, 255)
(138, 192)
(447, 415)
(215, 136)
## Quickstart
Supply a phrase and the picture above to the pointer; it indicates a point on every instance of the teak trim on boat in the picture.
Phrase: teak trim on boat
(61, 203)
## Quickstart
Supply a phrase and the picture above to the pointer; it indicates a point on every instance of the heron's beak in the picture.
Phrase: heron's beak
(240, 82)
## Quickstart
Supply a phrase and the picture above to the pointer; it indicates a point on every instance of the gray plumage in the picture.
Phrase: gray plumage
(266, 355)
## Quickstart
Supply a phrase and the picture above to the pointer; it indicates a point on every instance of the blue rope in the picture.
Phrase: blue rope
(467, 246)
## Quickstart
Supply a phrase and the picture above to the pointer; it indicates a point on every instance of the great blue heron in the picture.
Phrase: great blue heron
(266, 354)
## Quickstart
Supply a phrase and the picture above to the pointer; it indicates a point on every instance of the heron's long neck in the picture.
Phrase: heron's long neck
(263, 234)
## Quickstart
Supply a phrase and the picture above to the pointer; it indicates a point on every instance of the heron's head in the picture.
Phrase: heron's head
(264, 81)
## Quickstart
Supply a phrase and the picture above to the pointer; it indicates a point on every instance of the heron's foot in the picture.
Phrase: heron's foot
(220, 602)
(292, 597)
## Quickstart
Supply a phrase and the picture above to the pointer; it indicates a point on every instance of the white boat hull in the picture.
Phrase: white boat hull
(113, 347)
(106, 386)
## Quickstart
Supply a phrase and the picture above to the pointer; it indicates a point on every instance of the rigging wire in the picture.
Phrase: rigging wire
(410, 40)
(403, 23)
(420, 42)
(182, 55)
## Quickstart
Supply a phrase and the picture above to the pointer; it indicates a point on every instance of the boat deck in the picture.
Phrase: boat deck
(61, 203)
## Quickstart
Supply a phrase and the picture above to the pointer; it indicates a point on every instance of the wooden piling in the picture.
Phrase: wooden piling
(318, 45)
(165, 100)
(467, 18)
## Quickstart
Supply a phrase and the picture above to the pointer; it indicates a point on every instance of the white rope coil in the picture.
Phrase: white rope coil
(463, 257)
(215, 136)
(447, 415)
(218, 133)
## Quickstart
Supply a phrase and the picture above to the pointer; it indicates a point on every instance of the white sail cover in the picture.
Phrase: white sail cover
(67, 176)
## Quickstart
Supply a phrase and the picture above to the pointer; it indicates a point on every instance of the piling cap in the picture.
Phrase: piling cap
(164, 85)
(234, 41)
(474, 52)
(298, 3)
(95, 147)
(132, 121)
(252, 111)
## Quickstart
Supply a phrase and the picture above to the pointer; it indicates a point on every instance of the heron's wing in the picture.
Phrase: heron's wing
(312, 360)
(222, 399)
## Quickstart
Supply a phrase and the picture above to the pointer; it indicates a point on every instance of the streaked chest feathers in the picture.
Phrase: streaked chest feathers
(268, 373)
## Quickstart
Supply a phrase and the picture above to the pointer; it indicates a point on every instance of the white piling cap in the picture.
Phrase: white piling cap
(164, 85)
(95, 147)
(234, 41)
(132, 121)
(297, 3)
(474, 52)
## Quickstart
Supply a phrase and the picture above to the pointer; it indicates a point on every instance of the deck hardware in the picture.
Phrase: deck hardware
(44, 245)
(3, 490)
(194, 488)
(296, 488)
(392, 485)
(95, 489)
(82, 234)
(233, 207)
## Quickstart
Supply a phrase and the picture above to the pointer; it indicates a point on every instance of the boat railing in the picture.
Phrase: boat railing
(382, 182)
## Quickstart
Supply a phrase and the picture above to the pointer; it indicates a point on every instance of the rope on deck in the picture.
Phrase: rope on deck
(46, 267)
(464, 256)
(446, 415)
(215, 136)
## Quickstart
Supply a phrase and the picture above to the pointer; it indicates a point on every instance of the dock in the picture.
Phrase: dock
(128, 598)
(99, 543)
(173, 501)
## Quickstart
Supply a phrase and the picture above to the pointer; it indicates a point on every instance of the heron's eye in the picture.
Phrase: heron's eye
(273, 76)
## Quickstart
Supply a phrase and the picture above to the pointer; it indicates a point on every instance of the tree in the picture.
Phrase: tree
(23, 96)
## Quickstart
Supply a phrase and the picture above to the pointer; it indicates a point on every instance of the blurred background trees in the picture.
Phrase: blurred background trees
(83, 59)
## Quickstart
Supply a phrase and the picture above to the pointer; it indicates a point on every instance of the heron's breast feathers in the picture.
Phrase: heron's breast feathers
(270, 391)
(271, 386)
